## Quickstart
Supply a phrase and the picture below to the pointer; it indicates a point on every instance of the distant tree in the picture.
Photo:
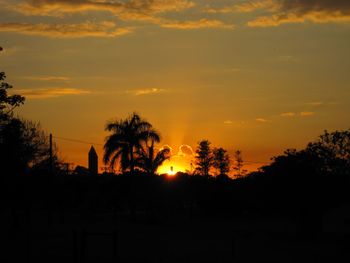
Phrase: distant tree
(204, 158)
(149, 159)
(332, 151)
(23, 144)
(126, 140)
(221, 160)
(7, 103)
(329, 155)
(239, 163)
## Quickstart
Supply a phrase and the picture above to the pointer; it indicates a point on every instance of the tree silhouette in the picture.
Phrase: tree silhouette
(23, 144)
(149, 160)
(126, 141)
(333, 151)
(239, 164)
(204, 158)
(221, 160)
(7, 103)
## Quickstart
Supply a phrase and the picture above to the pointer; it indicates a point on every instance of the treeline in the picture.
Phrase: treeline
(132, 146)
(300, 183)
(24, 146)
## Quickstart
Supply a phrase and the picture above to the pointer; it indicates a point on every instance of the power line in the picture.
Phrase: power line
(77, 141)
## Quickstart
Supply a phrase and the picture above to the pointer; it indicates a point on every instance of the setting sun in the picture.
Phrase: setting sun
(170, 169)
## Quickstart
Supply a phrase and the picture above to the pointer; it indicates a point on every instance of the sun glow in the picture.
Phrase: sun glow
(171, 172)
(170, 169)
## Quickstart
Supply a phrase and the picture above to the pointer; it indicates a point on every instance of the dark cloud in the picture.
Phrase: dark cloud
(305, 6)
(299, 11)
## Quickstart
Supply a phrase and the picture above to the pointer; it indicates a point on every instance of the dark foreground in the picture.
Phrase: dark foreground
(157, 220)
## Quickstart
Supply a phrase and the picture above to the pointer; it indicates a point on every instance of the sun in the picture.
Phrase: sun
(171, 172)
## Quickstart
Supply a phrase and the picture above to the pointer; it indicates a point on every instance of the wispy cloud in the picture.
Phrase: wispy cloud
(50, 92)
(307, 113)
(87, 29)
(236, 124)
(320, 103)
(140, 92)
(299, 11)
(261, 120)
(246, 7)
(202, 23)
(315, 103)
(288, 114)
(47, 78)
(127, 10)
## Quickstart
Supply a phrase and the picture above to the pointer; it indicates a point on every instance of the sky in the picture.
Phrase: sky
(256, 75)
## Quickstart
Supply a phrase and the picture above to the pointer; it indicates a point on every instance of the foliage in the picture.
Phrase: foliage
(329, 155)
(23, 144)
(7, 103)
(333, 152)
(126, 141)
(204, 158)
(149, 160)
(221, 160)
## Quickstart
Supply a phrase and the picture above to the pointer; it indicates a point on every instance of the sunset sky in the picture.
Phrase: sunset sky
(260, 76)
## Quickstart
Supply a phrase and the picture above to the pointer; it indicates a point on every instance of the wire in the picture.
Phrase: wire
(76, 141)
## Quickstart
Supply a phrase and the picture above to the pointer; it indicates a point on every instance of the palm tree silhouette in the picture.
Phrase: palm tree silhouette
(149, 160)
(126, 140)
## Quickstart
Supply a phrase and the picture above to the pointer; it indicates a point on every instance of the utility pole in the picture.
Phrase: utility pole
(51, 155)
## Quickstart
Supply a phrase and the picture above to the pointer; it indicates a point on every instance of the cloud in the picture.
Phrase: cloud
(199, 24)
(236, 124)
(140, 92)
(48, 78)
(288, 114)
(228, 122)
(261, 120)
(315, 103)
(185, 150)
(243, 8)
(299, 11)
(307, 113)
(129, 10)
(87, 29)
(50, 92)
(321, 104)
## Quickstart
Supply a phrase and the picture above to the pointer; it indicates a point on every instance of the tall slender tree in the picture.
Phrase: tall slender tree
(204, 158)
(126, 141)
(239, 164)
(221, 160)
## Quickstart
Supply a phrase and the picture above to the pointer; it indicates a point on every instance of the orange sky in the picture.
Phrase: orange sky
(260, 76)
